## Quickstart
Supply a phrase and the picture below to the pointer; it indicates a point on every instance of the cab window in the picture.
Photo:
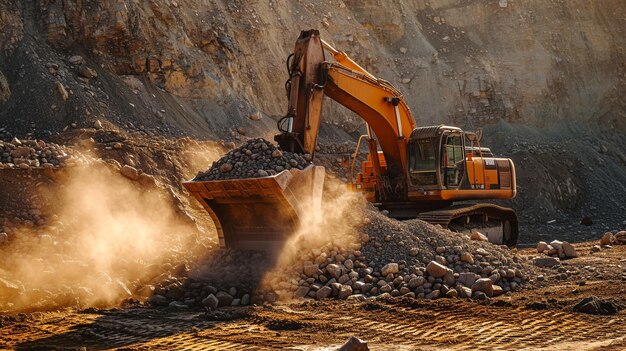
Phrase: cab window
(423, 161)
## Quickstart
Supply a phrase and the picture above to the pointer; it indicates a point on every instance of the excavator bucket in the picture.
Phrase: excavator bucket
(260, 213)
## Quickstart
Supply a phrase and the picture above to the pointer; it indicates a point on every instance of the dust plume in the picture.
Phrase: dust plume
(108, 240)
(332, 227)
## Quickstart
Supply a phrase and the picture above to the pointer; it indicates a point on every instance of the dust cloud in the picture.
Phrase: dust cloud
(108, 240)
(331, 227)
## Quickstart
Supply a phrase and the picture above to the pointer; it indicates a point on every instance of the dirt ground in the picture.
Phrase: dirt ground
(539, 317)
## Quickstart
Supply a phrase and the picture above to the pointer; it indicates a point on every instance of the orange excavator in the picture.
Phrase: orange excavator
(429, 173)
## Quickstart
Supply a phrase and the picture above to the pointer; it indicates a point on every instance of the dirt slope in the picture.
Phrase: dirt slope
(545, 78)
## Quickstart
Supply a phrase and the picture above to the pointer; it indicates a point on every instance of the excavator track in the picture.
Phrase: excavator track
(477, 215)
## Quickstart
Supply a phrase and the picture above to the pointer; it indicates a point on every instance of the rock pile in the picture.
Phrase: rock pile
(26, 154)
(410, 258)
(254, 159)
(557, 250)
(618, 238)
(224, 278)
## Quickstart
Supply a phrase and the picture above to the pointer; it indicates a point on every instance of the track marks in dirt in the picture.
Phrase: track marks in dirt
(444, 324)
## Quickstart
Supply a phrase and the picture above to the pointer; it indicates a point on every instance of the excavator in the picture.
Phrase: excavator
(433, 173)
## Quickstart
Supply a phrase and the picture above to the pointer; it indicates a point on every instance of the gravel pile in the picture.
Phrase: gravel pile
(25, 154)
(255, 158)
(387, 258)
(223, 278)
(410, 258)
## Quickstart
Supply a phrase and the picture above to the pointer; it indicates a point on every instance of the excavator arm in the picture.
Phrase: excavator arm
(376, 101)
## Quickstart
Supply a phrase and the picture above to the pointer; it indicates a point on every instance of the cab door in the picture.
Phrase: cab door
(452, 160)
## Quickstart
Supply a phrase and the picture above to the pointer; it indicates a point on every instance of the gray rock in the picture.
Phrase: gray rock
(302, 291)
(467, 279)
(245, 299)
(224, 298)
(542, 246)
(211, 302)
(158, 300)
(345, 291)
(433, 295)
(465, 292)
(334, 270)
(324, 292)
(546, 261)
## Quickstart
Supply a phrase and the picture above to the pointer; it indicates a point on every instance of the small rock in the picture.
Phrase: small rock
(467, 279)
(569, 250)
(607, 239)
(76, 60)
(542, 246)
(97, 124)
(255, 116)
(334, 270)
(62, 91)
(414, 251)
(345, 291)
(226, 167)
(277, 154)
(595, 248)
(310, 269)
(546, 261)
(390, 268)
(467, 258)
(129, 172)
(594, 305)
(87, 72)
(437, 270)
(324, 292)
(476, 235)
(224, 298)
(211, 302)
(302, 292)
(354, 344)
(484, 285)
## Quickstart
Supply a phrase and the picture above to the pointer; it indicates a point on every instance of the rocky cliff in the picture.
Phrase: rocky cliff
(545, 78)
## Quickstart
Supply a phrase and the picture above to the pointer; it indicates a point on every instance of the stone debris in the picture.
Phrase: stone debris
(609, 238)
(546, 261)
(26, 154)
(254, 159)
(408, 258)
(557, 248)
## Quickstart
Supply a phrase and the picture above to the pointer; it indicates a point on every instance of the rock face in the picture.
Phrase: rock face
(255, 158)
